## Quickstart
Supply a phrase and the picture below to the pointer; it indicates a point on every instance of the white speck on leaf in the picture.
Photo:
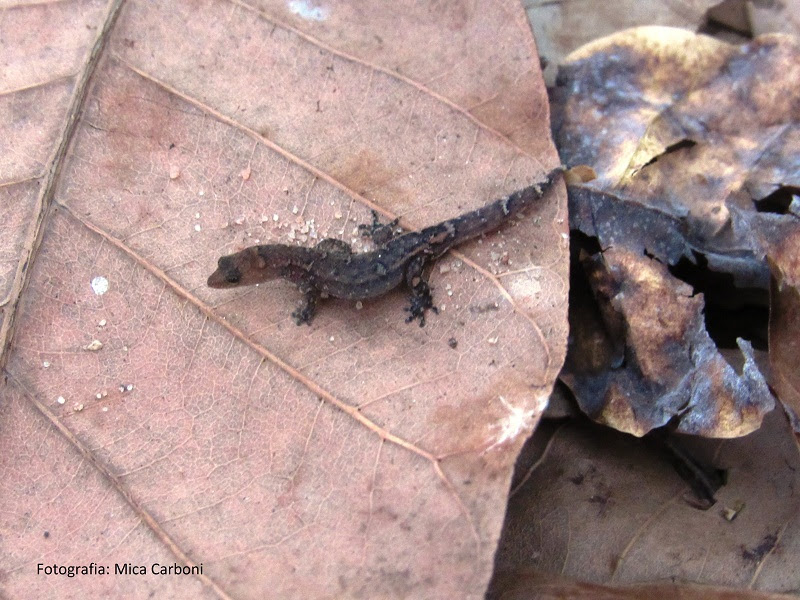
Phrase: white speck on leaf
(100, 285)
(516, 422)
(46, 364)
(61, 400)
(102, 323)
(308, 10)
(93, 346)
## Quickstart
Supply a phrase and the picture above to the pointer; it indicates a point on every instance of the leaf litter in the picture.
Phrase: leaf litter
(676, 244)
(683, 316)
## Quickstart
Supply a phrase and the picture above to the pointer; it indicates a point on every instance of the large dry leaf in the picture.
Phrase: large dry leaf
(147, 419)
(527, 584)
(695, 143)
(604, 507)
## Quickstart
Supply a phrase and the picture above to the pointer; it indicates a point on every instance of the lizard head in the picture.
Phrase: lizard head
(247, 267)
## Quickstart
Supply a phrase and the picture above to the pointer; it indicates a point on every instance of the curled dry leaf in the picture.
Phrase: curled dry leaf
(696, 147)
(561, 27)
(357, 457)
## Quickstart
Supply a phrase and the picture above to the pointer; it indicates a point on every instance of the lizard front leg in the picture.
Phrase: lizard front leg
(305, 312)
(421, 299)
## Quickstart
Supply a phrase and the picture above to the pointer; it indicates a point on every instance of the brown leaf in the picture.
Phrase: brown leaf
(527, 585)
(693, 140)
(598, 506)
(784, 324)
(562, 27)
(358, 457)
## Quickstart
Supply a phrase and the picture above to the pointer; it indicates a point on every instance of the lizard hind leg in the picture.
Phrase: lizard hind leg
(421, 298)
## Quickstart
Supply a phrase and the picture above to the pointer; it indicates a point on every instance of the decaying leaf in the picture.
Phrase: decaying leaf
(599, 506)
(784, 329)
(561, 27)
(359, 457)
(526, 584)
(775, 233)
(695, 143)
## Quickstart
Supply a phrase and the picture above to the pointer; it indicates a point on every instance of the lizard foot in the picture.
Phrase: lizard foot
(304, 314)
(419, 304)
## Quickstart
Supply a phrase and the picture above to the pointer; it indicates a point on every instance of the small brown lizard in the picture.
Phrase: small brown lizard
(332, 269)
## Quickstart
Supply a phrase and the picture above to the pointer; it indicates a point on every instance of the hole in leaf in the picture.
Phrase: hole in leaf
(730, 312)
(580, 241)
(681, 145)
(778, 201)
(731, 17)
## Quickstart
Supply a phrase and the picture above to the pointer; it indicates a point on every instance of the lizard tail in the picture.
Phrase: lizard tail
(496, 213)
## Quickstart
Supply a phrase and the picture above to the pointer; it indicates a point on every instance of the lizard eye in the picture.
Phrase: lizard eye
(231, 273)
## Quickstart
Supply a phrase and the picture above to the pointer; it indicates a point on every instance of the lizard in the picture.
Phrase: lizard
(331, 268)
